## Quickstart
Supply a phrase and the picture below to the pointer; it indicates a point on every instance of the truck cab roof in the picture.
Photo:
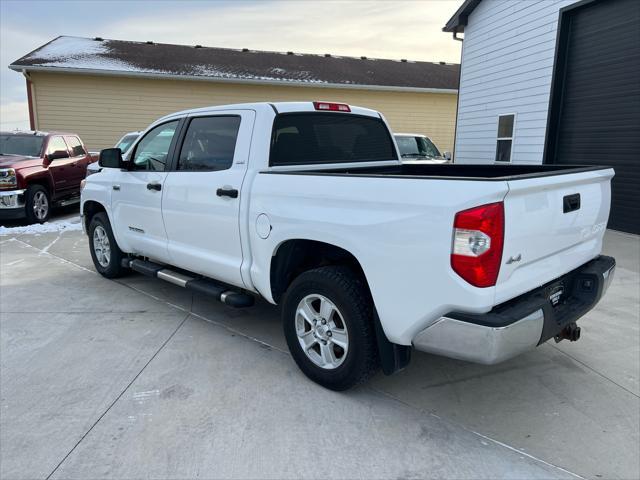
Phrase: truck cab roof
(276, 107)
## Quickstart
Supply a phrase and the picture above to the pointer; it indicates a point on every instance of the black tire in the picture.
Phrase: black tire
(349, 294)
(113, 268)
(33, 195)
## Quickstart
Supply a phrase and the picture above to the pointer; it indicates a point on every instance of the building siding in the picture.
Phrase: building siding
(507, 66)
(102, 108)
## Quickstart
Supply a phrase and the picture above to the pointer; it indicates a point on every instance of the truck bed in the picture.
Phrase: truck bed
(450, 171)
(554, 218)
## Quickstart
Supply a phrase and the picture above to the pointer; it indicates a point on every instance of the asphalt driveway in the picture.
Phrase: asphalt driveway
(141, 379)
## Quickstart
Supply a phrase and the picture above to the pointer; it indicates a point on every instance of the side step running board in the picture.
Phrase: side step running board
(208, 287)
(68, 201)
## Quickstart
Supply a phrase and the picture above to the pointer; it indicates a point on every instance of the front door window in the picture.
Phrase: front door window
(152, 151)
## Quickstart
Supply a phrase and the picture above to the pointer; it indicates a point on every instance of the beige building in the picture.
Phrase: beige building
(102, 89)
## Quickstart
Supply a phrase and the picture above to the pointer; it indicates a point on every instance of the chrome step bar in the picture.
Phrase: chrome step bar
(219, 291)
(68, 201)
(174, 277)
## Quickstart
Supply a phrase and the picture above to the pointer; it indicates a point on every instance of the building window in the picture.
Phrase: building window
(504, 144)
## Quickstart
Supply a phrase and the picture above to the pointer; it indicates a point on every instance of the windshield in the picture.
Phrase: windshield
(126, 141)
(27, 145)
(417, 147)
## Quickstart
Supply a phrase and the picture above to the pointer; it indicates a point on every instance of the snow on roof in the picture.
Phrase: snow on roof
(124, 57)
(77, 52)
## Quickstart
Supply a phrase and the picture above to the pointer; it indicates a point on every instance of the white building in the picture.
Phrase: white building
(553, 81)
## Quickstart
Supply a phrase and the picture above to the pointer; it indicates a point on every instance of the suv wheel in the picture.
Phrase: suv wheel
(106, 256)
(38, 204)
(328, 324)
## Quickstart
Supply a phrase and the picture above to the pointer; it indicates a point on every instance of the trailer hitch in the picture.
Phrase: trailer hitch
(571, 332)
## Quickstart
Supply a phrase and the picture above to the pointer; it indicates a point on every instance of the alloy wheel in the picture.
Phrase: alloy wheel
(40, 205)
(101, 246)
(322, 332)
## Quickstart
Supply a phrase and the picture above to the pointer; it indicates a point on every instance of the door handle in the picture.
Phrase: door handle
(116, 187)
(154, 186)
(227, 192)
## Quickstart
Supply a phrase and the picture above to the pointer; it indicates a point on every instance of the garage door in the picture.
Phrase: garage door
(595, 112)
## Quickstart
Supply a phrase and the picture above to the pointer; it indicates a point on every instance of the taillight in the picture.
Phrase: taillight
(478, 236)
(331, 107)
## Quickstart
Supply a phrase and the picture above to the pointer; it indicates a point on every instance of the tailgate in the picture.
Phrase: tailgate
(553, 224)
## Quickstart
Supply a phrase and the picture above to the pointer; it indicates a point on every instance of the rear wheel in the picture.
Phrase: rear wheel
(106, 256)
(37, 204)
(328, 324)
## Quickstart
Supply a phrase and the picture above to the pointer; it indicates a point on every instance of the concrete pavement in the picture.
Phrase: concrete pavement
(139, 379)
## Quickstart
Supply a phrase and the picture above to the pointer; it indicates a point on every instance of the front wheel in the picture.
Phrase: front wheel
(328, 324)
(106, 256)
(37, 204)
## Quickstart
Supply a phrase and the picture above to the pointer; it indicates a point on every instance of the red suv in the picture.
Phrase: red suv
(38, 170)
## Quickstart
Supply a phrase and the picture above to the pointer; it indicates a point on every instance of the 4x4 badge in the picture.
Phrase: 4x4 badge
(514, 258)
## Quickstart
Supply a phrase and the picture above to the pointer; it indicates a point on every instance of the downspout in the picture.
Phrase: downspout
(32, 122)
(455, 127)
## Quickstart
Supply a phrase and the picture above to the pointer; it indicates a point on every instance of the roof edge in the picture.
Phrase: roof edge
(459, 19)
(38, 48)
(291, 83)
(231, 49)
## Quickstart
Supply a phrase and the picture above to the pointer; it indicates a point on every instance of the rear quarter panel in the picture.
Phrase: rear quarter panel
(400, 230)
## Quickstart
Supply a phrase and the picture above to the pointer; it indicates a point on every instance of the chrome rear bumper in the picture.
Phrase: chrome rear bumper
(522, 323)
(478, 343)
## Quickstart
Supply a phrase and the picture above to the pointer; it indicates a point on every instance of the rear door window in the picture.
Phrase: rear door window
(323, 138)
(209, 144)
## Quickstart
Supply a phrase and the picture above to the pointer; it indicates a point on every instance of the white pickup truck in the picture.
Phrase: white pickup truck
(308, 206)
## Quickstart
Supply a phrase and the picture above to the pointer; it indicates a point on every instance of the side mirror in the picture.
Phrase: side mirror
(111, 158)
(57, 154)
(447, 156)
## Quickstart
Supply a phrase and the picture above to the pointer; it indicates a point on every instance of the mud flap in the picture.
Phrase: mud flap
(393, 357)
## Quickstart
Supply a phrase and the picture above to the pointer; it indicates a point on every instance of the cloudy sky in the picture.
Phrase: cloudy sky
(383, 29)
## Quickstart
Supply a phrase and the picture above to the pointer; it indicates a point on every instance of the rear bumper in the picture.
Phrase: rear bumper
(12, 204)
(521, 323)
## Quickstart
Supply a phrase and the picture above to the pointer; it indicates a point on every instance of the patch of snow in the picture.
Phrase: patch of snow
(76, 52)
(86, 53)
(71, 48)
(100, 63)
(209, 71)
(47, 227)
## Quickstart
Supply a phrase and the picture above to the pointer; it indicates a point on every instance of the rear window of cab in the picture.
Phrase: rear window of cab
(324, 138)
